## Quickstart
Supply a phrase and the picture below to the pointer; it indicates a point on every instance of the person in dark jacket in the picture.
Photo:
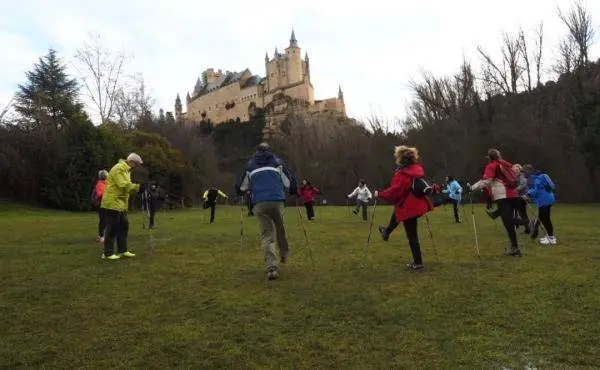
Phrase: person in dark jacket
(150, 198)
(307, 194)
(210, 200)
(267, 178)
(541, 191)
(407, 206)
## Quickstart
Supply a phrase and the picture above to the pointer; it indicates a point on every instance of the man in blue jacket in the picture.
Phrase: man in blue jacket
(454, 192)
(267, 178)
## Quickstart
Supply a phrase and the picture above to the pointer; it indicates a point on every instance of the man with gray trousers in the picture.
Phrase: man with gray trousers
(267, 178)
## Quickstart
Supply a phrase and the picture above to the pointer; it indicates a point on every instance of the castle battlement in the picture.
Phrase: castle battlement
(222, 96)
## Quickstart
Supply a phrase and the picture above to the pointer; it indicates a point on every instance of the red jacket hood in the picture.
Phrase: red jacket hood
(414, 170)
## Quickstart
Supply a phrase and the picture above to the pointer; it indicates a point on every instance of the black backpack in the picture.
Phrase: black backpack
(420, 188)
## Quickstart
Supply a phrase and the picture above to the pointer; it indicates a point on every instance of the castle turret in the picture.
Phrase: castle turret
(178, 107)
(188, 98)
(293, 41)
(294, 70)
(266, 57)
(340, 93)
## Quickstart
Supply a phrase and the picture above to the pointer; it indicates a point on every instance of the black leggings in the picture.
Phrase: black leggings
(410, 227)
(544, 216)
(101, 221)
(310, 211)
(521, 211)
(506, 209)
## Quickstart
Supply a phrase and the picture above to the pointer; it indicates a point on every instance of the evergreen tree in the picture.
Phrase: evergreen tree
(50, 96)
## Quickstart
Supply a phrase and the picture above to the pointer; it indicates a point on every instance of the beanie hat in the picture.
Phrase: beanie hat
(102, 174)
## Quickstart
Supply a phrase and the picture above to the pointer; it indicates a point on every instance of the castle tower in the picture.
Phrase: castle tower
(178, 107)
(306, 67)
(293, 68)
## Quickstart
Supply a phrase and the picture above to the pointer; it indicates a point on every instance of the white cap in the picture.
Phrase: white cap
(135, 158)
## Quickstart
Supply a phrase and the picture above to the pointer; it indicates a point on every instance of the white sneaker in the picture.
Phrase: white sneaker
(548, 240)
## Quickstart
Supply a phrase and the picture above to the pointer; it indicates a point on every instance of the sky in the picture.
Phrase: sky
(373, 49)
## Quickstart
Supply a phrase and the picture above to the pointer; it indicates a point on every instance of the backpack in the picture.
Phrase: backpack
(508, 175)
(420, 188)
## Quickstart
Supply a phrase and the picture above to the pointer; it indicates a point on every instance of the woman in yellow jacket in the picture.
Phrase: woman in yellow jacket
(115, 203)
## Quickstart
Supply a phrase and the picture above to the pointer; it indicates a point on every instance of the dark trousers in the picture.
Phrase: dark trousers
(521, 212)
(360, 204)
(544, 216)
(455, 208)
(506, 210)
(410, 227)
(213, 207)
(310, 210)
(150, 212)
(117, 228)
(101, 221)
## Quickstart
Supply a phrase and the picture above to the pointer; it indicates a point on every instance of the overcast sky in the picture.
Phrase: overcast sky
(371, 48)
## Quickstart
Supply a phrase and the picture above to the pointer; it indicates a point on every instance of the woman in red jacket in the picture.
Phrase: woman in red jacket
(307, 192)
(98, 194)
(407, 207)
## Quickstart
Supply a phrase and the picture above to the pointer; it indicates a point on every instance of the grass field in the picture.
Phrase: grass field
(194, 299)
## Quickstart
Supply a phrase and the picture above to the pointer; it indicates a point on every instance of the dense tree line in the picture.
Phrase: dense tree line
(50, 152)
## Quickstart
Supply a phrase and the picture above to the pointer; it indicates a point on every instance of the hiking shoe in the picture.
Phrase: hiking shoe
(111, 257)
(272, 275)
(415, 266)
(515, 252)
(548, 240)
(384, 233)
(127, 254)
(493, 213)
(535, 228)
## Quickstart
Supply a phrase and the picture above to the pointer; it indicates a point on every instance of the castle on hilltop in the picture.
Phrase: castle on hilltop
(222, 96)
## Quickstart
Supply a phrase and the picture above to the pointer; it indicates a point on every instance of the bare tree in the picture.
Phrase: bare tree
(6, 109)
(101, 72)
(132, 102)
(537, 55)
(581, 29)
(567, 57)
(525, 57)
(503, 77)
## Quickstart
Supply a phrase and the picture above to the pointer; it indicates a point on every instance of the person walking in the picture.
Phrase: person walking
(307, 194)
(267, 178)
(541, 191)
(210, 200)
(150, 198)
(115, 203)
(363, 196)
(97, 195)
(502, 182)
(454, 192)
(408, 206)
(521, 217)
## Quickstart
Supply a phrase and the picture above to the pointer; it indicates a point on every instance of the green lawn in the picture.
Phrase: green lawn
(194, 299)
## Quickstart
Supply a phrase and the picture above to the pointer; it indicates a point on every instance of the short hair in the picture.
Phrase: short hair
(494, 154)
(263, 146)
(517, 167)
(135, 158)
(102, 174)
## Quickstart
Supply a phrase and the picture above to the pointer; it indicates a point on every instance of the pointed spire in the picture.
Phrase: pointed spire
(178, 99)
(188, 98)
(306, 56)
(267, 56)
(293, 41)
(340, 93)
(276, 53)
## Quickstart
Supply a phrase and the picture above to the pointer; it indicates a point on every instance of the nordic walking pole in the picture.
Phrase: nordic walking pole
(242, 228)
(305, 234)
(431, 236)
(370, 230)
(474, 225)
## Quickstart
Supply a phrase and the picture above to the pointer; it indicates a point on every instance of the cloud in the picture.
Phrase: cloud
(373, 50)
